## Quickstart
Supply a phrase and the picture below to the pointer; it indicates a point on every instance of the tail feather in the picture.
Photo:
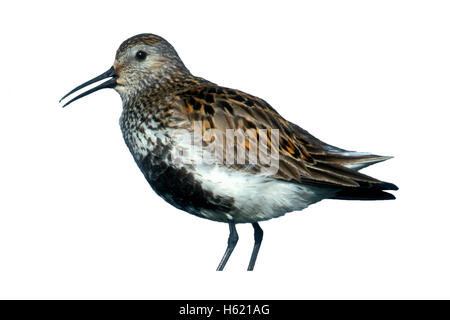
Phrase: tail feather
(367, 192)
(359, 160)
(363, 195)
(337, 169)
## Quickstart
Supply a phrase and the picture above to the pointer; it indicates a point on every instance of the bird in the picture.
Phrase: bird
(180, 127)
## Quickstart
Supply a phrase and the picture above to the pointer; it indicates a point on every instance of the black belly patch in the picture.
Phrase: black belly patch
(179, 187)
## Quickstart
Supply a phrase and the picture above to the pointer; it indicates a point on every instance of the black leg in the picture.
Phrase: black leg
(258, 239)
(232, 240)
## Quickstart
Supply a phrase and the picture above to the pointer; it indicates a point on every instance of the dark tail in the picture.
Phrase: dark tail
(369, 191)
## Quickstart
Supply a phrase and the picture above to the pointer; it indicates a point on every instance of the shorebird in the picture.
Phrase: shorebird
(171, 118)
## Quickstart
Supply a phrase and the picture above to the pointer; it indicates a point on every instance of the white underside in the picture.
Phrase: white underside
(256, 197)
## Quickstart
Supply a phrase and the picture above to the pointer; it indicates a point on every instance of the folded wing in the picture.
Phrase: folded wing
(303, 158)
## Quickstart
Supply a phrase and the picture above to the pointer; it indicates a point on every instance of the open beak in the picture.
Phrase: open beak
(111, 83)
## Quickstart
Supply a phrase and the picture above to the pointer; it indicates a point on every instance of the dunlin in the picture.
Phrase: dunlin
(220, 153)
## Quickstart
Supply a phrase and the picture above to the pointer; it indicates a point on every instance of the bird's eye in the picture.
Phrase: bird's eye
(141, 55)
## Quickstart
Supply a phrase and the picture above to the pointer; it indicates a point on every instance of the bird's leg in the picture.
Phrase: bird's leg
(232, 240)
(258, 239)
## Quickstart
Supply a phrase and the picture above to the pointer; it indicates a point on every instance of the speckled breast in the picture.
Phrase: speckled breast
(151, 146)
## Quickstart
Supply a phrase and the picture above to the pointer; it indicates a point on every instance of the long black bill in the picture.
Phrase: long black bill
(111, 83)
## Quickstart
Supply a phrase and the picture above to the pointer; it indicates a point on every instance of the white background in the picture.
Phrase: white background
(78, 220)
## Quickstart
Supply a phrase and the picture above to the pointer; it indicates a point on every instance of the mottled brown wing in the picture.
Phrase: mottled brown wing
(302, 158)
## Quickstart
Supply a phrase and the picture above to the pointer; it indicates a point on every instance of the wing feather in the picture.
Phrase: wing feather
(302, 157)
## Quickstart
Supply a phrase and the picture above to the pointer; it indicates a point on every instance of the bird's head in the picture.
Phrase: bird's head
(145, 62)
